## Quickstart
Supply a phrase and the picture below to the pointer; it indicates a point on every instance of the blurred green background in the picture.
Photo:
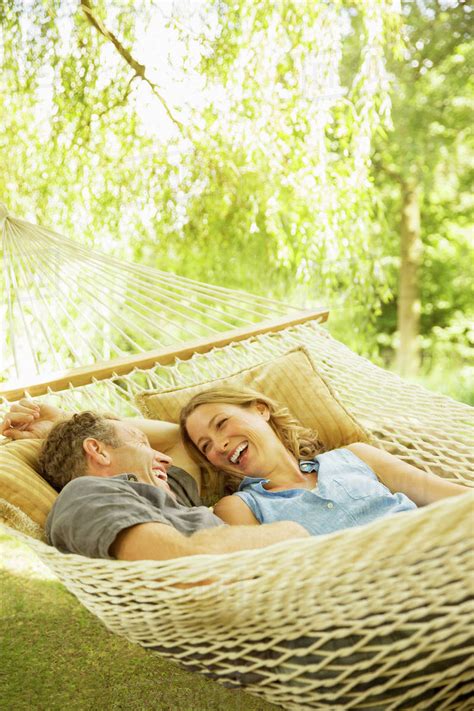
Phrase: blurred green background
(314, 152)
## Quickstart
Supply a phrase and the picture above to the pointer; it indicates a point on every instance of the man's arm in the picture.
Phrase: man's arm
(421, 487)
(29, 419)
(157, 541)
(161, 435)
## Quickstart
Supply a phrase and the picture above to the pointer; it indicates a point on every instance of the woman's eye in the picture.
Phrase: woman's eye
(204, 448)
(221, 422)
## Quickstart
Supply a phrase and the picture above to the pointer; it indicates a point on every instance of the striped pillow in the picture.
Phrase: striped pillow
(20, 484)
(292, 379)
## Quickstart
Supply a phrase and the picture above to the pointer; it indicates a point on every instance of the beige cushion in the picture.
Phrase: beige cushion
(20, 484)
(15, 518)
(292, 379)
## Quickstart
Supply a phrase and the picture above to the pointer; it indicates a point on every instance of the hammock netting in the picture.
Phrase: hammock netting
(66, 306)
(377, 617)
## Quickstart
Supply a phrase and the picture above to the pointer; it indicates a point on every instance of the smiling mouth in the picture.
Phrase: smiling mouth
(238, 453)
(160, 474)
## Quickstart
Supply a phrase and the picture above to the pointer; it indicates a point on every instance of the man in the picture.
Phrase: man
(123, 499)
(120, 496)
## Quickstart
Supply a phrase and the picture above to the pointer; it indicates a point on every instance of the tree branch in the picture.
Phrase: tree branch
(139, 69)
(380, 166)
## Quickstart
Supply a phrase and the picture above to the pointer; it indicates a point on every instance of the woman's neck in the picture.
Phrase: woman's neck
(287, 472)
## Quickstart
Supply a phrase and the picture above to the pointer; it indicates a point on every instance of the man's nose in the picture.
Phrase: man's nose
(162, 458)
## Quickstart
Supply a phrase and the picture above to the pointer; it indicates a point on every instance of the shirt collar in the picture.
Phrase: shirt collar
(125, 477)
(248, 480)
(306, 466)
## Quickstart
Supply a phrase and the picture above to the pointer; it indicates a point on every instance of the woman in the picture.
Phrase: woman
(285, 473)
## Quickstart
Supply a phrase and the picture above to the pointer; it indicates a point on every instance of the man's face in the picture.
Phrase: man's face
(135, 456)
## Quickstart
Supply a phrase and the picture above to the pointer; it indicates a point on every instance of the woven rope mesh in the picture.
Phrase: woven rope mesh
(429, 430)
(103, 308)
(66, 306)
(378, 617)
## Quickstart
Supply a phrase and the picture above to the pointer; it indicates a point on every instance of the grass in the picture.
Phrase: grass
(56, 655)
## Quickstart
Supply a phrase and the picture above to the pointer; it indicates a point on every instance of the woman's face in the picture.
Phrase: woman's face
(237, 439)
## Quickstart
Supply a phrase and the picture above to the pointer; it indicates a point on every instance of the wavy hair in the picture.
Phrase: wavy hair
(302, 442)
(62, 457)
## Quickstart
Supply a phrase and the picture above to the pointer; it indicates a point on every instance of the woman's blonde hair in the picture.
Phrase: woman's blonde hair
(301, 441)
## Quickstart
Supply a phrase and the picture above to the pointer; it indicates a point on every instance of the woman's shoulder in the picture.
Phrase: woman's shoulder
(233, 510)
(357, 455)
(359, 449)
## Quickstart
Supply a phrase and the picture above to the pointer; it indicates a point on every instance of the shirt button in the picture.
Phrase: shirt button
(330, 505)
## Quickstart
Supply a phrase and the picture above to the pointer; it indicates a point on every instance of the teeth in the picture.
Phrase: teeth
(238, 452)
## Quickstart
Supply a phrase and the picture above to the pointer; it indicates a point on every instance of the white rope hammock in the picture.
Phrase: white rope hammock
(372, 618)
(122, 309)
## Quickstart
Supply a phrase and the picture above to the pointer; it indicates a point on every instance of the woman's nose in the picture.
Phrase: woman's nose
(222, 444)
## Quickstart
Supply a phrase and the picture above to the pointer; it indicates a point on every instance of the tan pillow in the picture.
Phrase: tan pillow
(292, 379)
(20, 484)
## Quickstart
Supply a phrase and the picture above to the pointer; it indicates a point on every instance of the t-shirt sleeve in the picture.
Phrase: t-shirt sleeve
(184, 486)
(90, 512)
(248, 499)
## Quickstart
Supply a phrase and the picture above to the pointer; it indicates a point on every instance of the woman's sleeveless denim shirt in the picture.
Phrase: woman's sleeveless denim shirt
(347, 494)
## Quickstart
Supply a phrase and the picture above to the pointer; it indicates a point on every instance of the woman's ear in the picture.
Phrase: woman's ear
(263, 409)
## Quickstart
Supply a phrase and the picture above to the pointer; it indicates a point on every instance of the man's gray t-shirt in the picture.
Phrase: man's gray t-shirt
(91, 511)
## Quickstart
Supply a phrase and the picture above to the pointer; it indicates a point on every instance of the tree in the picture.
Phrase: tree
(78, 66)
(424, 158)
(279, 173)
(263, 182)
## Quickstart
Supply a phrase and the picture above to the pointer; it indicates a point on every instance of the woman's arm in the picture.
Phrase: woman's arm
(234, 511)
(421, 487)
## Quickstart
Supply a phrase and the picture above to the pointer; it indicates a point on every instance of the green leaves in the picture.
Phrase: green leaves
(284, 176)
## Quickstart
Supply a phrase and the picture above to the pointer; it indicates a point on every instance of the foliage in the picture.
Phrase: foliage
(274, 168)
(278, 173)
(258, 174)
(430, 146)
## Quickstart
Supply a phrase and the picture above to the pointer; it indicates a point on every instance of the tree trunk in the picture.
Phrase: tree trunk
(408, 312)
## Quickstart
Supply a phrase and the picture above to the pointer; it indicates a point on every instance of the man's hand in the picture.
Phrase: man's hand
(29, 419)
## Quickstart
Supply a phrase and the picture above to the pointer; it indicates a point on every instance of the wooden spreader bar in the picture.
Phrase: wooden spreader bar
(76, 377)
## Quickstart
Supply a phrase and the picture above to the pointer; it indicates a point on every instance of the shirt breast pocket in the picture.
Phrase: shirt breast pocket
(357, 487)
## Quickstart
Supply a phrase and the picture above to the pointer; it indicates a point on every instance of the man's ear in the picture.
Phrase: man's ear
(263, 409)
(97, 452)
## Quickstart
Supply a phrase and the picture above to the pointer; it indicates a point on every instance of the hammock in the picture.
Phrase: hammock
(377, 617)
